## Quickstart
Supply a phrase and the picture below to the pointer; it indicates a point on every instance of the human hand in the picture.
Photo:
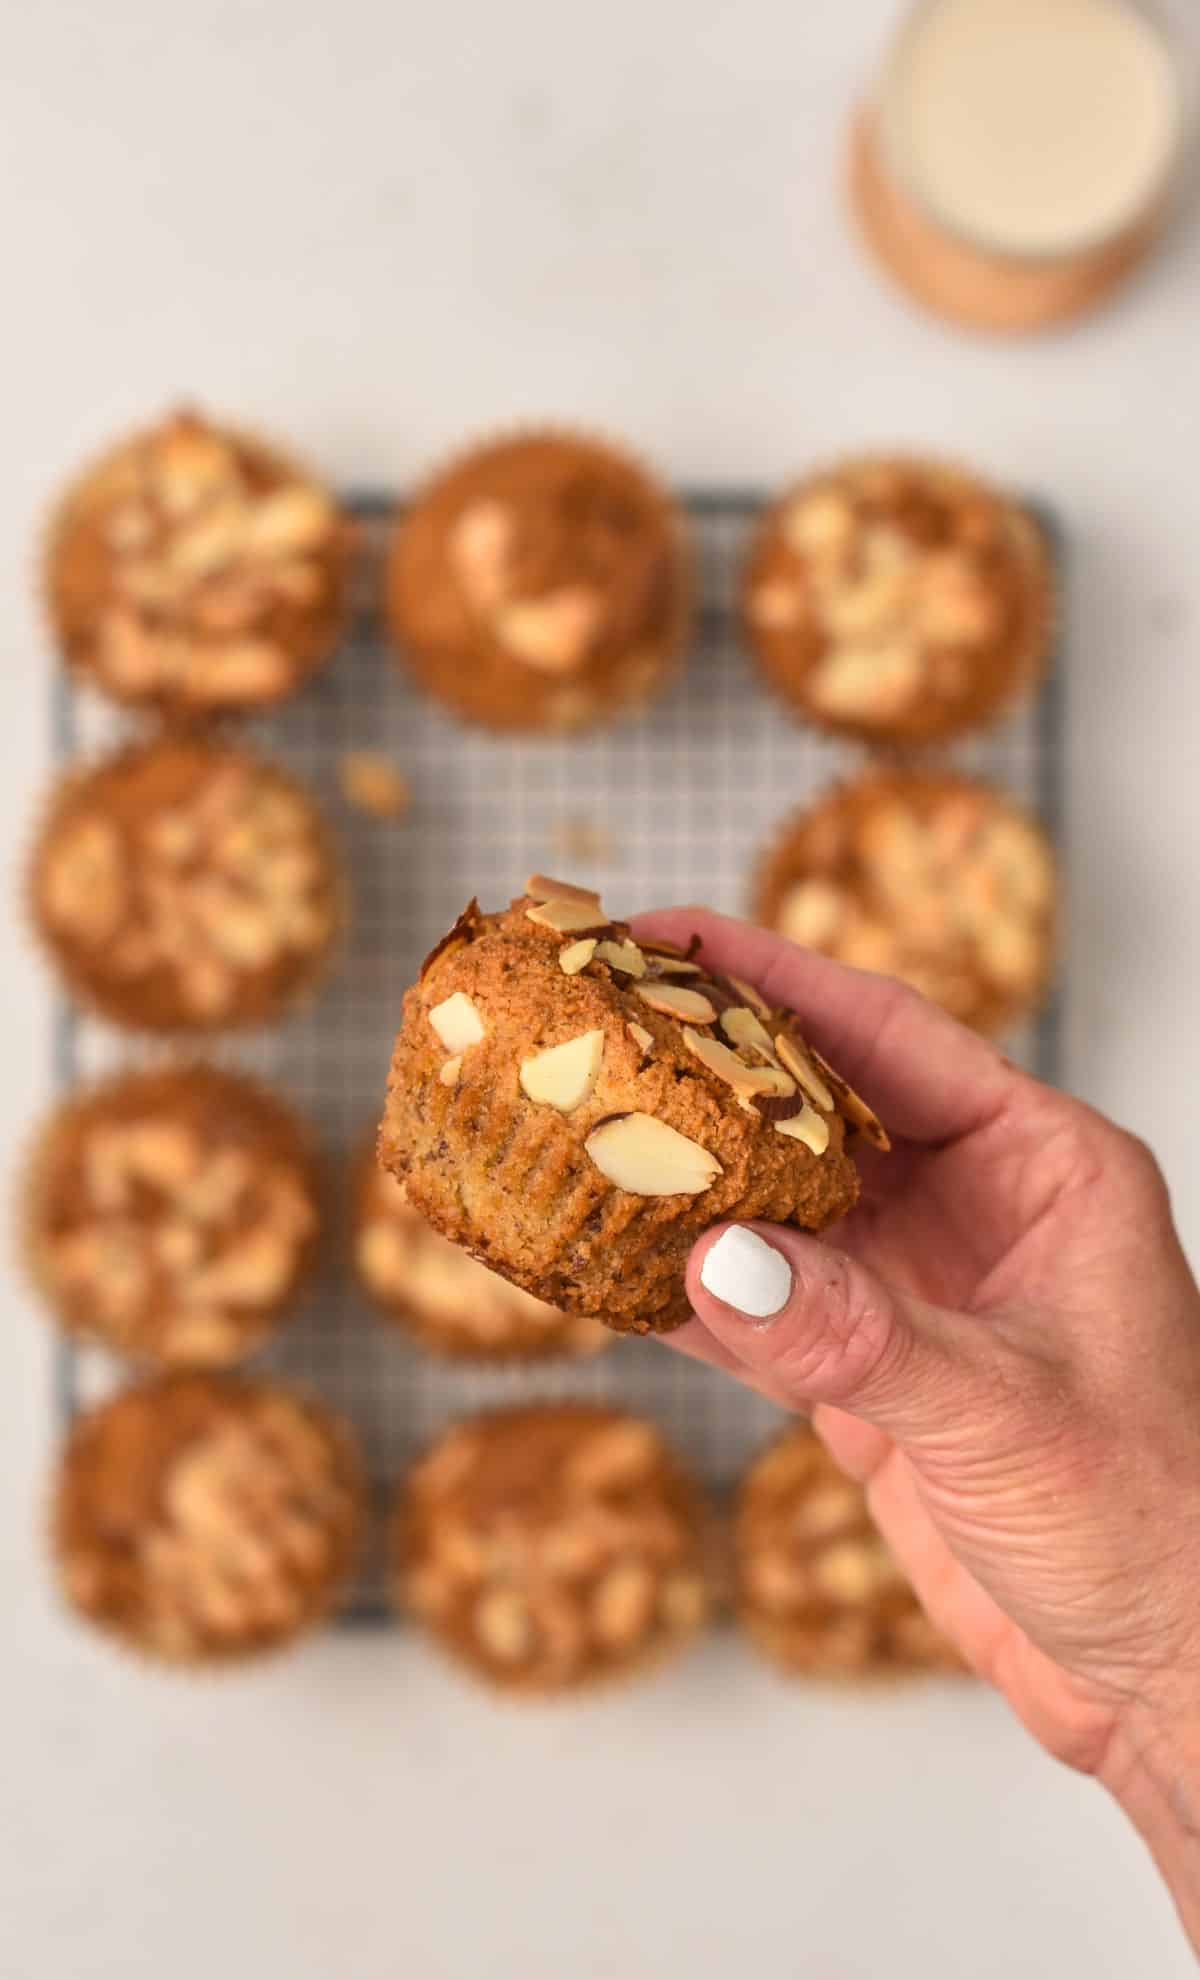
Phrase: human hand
(1002, 1341)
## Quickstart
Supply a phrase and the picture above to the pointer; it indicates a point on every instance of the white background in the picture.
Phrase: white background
(375, 228)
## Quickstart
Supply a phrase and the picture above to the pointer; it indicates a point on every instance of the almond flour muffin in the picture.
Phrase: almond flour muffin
(540, 582)
(195, 571)
(180, 886)
(442, 1295)
(200, 1518)
(899, 601)
(816, 1588)
(546, 1548)
(172, 1214)
(934, 879)
(575, 1108)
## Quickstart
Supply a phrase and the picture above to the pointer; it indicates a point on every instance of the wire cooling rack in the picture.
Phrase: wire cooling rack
(672, 806)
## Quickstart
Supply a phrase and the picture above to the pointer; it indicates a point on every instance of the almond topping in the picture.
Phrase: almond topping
(677, 1003)
(646, 1157)
(641, 1037)
(576, 956)
(568, 917)
(727, 1066)
(450, 1071)
(749, 995)
(797, 1063)
(563, 1076)
(622, 955)
(674, 966)
(744, 1030)
(539, 888)
(854, 1108)
(808, 1127)
(457, 1022)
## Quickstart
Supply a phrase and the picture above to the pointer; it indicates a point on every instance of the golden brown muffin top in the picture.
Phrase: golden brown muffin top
(200, 1518)
(897, 599)
(574, 1106)
(817, 1588)
(172, 1214)
(196, 571)
(181, 885)
(446, 1297)
(539, 580)
(934, 879)
(549, 1546)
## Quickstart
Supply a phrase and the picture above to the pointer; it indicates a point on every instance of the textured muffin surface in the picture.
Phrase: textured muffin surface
(934, 879)
(539, 583)
(897, 600)
(575, 1108)
(201, 1518)
(816, 1586)
(548, 1547)
(180, 885)
(195, 571)
(172, 1214)
(442, 1295)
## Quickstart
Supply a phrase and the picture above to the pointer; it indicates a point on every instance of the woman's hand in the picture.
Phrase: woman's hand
(1003, 1341)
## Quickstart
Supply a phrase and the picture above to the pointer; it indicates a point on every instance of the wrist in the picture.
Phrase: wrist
(1152, 1770)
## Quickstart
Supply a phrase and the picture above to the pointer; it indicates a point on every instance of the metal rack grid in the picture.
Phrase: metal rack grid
(677, 802)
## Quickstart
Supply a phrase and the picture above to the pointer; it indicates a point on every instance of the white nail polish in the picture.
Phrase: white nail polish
(746, 1272)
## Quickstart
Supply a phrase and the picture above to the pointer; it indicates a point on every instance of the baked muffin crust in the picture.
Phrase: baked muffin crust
(898, 600)
(548, 1547)
(575, 1108)
(929, 877)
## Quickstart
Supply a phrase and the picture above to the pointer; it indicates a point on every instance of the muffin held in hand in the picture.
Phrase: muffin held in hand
(540, 582)
(816, 1587)
(195, 571)
(180, 886)
(201, 1518)
(575, 1107)
(442, 1295)
(931, 878)
(172, 1214)
(548, 1547)
(898, 601)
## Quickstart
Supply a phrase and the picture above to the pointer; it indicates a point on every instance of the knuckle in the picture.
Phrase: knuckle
(843, 1332)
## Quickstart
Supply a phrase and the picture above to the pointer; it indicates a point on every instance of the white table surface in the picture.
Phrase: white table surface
(376, 228)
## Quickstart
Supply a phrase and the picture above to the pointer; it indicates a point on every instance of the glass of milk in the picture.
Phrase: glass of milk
(1024, 142)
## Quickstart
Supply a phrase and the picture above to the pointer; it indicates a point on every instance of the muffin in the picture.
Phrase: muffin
(172, 1214)
(200, 1518)
(180, 886)
(540, 582)
(931, 878)
(195, 571)
(548, 1547)
(442, 1295)
(575, 1108)
(899, 601)
(816, 1588)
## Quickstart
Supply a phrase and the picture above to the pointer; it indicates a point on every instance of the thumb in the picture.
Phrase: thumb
(810, 1324)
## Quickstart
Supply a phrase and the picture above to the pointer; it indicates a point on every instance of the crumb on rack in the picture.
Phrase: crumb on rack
(371, 784)
(578, 838)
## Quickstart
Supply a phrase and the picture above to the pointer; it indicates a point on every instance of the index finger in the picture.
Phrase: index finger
(928, 1077)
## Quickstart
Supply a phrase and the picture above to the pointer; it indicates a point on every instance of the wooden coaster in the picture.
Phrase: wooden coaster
(961, 283)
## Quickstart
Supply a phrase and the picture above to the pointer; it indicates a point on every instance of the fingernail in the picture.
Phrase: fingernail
(745, 1271)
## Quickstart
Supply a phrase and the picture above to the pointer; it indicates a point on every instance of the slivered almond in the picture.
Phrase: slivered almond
(809, 1127)
(568, 917)
(450, 1071)
(676, 1002)
(727, 1066)
(744, 1030)
(641, 1037)
(564, 1075)
(576, 956)
(674, 966)
(646, 1157)
(622, 955)
(797, 1063)
(457, 1022)
(749, 995)
(852, 1105)
(540, 888)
